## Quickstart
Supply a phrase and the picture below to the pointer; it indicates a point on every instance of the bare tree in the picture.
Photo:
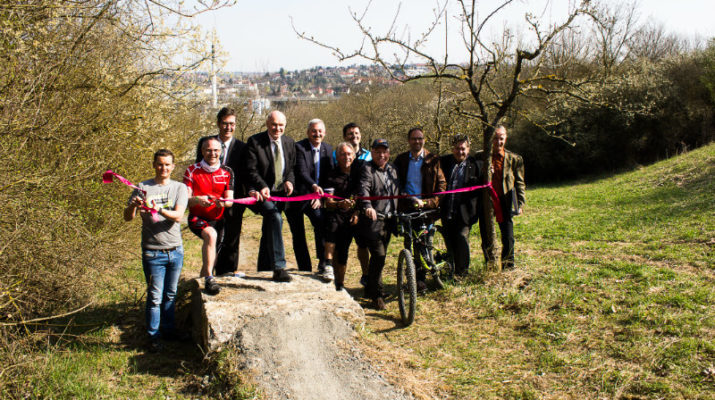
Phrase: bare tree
(496, 72)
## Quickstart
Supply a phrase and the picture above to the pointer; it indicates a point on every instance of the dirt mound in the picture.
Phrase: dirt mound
(297, 339)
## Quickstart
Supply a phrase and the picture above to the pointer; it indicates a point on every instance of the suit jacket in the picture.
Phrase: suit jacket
(258, 162)
(305, 168)
(466, 204)
(432, 177)
(371, 184)
(234, 161)
(513, 175)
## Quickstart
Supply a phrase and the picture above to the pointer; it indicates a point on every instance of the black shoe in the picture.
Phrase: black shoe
(378, 303)
(363, 280)
(508, 266)
(212, 286)
(281, 275)
(339, 287)
(421, 287)
(155, 345)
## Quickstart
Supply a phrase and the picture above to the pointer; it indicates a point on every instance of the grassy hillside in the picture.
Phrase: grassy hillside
(613, 297)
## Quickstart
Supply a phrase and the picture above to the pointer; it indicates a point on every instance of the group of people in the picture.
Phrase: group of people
(271, 165)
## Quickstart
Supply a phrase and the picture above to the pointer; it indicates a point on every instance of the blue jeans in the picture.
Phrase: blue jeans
(161, 270)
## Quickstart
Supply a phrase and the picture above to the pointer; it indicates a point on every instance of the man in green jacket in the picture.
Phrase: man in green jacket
(508, 182)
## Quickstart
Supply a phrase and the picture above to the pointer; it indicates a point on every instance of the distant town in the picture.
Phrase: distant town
(260, 91)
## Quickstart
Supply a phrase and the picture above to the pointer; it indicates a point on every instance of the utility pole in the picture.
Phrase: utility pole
(214, 95)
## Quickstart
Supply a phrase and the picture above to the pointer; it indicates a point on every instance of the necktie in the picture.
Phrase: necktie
(223, 153)
(277, 165)
(316, 163)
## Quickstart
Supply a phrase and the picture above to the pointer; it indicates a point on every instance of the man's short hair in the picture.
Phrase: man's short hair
(207, 140)
(458, 138)
(500, 126)
(164, 153)
(225, 112)
(416, 128)
(315, 121)
(342, 145)
(349, 126)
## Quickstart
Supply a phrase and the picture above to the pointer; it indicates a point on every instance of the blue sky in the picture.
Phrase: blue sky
(256, 35)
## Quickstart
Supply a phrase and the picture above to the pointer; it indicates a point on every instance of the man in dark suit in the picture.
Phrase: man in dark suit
(460, 211)
(269, 163)
(312, 157)
(231, 149)
(377, 178)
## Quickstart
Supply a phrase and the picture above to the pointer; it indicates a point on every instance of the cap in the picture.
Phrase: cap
(380, 142)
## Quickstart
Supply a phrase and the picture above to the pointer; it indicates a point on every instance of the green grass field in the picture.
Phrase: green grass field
(613, 298)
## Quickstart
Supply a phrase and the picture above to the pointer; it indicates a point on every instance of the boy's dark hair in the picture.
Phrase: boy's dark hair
(163, 153)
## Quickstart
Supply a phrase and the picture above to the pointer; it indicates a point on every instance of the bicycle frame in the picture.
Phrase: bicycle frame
(418, 239)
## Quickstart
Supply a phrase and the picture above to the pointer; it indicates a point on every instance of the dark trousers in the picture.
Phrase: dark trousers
(376, 235)
(294, 215)
(507, 231)
(456, 237)
(228, 249)
(271, 253)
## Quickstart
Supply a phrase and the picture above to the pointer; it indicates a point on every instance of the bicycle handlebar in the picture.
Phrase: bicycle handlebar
(409, 215)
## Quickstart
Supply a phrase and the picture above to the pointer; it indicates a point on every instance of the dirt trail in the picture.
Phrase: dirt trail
(311, 356)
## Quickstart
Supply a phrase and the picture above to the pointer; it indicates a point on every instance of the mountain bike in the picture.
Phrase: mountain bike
(424, 247)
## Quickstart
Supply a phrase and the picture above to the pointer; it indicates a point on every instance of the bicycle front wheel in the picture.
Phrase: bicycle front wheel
(406, 287)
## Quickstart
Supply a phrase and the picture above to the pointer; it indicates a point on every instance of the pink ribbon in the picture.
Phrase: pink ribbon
(315, 196)
(109, 176)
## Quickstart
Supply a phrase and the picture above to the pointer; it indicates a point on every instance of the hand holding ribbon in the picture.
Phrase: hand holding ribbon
(108, 177)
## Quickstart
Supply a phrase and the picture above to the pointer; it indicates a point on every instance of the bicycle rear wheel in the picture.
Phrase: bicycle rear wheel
(442, 259)
(406, 287)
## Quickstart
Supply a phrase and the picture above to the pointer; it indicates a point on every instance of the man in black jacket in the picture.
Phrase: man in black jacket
(377, 178)
(269, 163)
(231, 149)
(313, 160)
(460, 210)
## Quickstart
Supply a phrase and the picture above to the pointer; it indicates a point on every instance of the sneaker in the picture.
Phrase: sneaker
(378, 303)
(339, 287)
(155, 345)
(239, 275)
(328, 275)
(281, 275)
(321, 268)
(507, 266)
(212, 286)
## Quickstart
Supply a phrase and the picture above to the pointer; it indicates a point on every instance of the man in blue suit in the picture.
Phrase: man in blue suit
(312, 163)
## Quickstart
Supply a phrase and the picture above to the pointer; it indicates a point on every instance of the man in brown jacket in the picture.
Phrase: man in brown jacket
(508, 182)
(419, 173)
